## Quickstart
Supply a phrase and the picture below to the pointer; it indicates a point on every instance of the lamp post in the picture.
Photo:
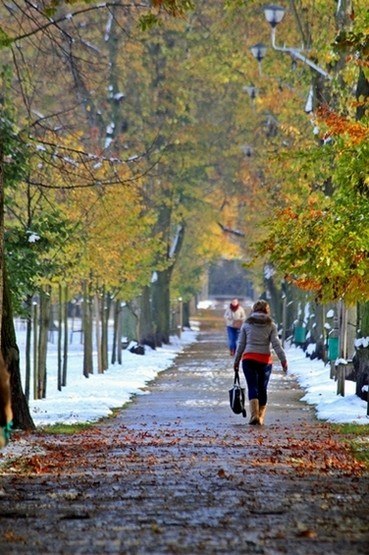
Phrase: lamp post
(274, 15)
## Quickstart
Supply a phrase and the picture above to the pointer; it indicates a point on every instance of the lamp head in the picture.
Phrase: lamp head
(274, 15)
(247, 150)
(251, 91)
(258, 51)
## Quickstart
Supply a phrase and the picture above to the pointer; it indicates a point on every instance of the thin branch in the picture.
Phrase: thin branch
(57, 21)
(231, 231)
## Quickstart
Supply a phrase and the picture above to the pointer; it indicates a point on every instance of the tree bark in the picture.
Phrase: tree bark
(21, 415)
(87, 332)
(116, 354)
(60, 337)
(146, 330)
(361, 365)
(98, 313)
(27, 354)
(315, 327)
(361, 359)
(105, 311)
(161, 306)
(186, 314)
(42, 343)
(66, 333)
(35, 350)
(274, 297)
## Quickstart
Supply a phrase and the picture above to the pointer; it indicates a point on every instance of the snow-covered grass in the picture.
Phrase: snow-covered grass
(88, 400)
(321, 391)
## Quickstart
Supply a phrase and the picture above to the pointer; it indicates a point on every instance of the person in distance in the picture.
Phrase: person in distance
(234, 317)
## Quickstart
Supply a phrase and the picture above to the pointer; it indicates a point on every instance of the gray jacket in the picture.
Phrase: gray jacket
(258, 335)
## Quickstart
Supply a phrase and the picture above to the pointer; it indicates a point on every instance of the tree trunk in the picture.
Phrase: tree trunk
(348, 317)
(146, 330)
(98, 312)
(351, 330)
(27, 354)
(60, 337)
(35, 350)
(361, 359)
(116, 353)
(186, 314)
(21, 415)
(361, 366)
(119, 333)
(88, 367)
(105, 312)
(6, 414)
(318, 332)
(42, 343)
(161, 306)
(293, 300)
(115, 333)
(66, 332)
(273, 297)
(2, 257)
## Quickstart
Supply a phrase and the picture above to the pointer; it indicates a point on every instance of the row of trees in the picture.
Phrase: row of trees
(316, 178)
(113, 170)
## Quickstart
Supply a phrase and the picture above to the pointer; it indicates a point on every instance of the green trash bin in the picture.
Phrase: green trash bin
(333, 348)
(299, 335)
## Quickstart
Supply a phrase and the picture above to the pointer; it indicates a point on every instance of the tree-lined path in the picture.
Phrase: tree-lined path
(177, 472)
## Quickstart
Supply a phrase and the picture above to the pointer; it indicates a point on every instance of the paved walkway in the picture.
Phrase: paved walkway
(176, 472)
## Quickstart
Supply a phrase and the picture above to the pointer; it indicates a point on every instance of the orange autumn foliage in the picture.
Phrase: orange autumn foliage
(339, 125)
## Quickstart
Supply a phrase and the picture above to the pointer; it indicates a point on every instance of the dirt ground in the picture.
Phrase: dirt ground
(176, 472)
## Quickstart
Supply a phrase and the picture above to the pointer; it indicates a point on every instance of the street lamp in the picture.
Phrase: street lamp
(274, 15)
(251, 91)
(247, 150)
(259, 51)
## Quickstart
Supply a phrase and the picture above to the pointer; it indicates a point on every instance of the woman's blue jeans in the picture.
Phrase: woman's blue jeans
(233, 334)
(257, 376)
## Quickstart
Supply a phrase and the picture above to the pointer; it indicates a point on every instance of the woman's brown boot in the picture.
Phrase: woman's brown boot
(254, 410)
(262, 411)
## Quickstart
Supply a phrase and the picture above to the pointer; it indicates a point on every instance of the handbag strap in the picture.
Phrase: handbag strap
(236, 380)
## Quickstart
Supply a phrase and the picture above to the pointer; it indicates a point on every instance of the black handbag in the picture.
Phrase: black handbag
(237, 396)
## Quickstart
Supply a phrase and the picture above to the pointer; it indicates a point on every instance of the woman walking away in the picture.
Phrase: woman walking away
(234, 317)
(257, 336)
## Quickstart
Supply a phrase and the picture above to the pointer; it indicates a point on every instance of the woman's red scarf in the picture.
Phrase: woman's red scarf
(234, 307)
